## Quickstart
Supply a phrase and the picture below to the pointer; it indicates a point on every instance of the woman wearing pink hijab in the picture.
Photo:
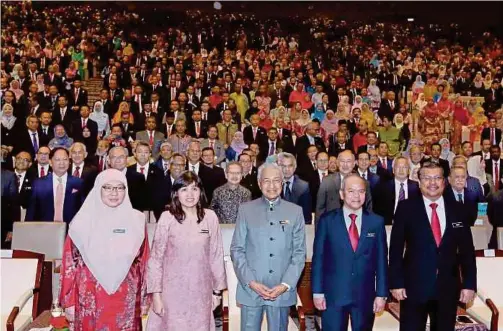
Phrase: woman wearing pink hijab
(105, 256)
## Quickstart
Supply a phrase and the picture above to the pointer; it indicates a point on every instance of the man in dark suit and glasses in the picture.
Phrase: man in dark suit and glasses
(431, 259)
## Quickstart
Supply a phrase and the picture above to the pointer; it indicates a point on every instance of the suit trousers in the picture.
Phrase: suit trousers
(277, 318)
(336, 318)
(413, 315)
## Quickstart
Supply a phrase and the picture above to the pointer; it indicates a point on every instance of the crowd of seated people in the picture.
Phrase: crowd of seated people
(322, 100)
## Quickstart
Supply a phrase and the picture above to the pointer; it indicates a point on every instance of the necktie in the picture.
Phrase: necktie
(493, 139)
(42, 172)
(194, 168)
(83, 123)
(58, 210)
(435, 224)
(288, 192)
(364, 176)
(254, 133)
(18, 182)
(166, 168)
(100, 164)
(76, 95)
(280, 133)
(460, 197)
(205, 116)
(353, 232)
(496, 176)
(314, 165)
(401, 193)
(151, 139)
(197, 129)
(35, 142)
(142, 170)
(271, 149)
(211, 144)
(384, 163)
(76, 173)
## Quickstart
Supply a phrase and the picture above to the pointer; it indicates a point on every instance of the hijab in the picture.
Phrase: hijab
(8, 121)
(373, 89)
(419, 82)
(60, 141)
(18, 92)
(99, 116)
(303, 121)
(330, 126)
(420, 104)
(319, 113)
(446, 151)
(358, 103)
(460, 113)
(479, 116)
(98, 231)
(398, 120)
(238, 143)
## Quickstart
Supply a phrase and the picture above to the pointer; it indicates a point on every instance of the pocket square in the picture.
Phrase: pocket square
(457, 225)
(371, 235)
(74, 190)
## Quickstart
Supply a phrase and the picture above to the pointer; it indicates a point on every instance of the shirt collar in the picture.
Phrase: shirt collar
(346, 211)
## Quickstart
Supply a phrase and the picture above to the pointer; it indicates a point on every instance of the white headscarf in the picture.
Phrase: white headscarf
(108, 239)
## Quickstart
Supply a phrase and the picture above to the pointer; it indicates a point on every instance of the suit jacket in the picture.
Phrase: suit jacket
(287, 141)
(25, 143)
(334, 147)
(328, 196)
(154, 194)
(385, 109)
(389, 165)
(80, 100)
(67, 120)
(136, 189)
(277, 258)
(418, 265)
(203, 130)
(9, 199)
(88, 175)
(471, 199)
(211, 178)
(250, 182)
(218, 147)
(348, 277)
(301, 146)
(260, 137)
(490, 171)
(41, 206)
(301, 196)
(213, 117)
(385, 197)
(158, 138)
(486, 134)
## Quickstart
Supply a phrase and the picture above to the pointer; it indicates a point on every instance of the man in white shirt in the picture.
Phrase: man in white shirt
(176, 167)
(142, 156)
(42, 164)
(425, 251)
(194, 157)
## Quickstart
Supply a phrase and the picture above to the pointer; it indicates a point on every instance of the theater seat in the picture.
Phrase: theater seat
(489, 300)
(232, 312)
(227, 233)
(310, 233)
(20, 286)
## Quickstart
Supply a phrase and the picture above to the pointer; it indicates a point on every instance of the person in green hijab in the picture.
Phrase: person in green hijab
(392, 136)
(78, 59)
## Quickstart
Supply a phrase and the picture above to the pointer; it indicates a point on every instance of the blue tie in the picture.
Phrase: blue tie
(401, 193)
(35, 143)
(460, 197)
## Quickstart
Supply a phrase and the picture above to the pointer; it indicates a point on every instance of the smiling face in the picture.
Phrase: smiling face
(113, 193)
(270, 182)
(189, 195)
(354, 192)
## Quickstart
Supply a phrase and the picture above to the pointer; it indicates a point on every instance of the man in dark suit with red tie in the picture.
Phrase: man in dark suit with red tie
(492, 133)
(432, 258)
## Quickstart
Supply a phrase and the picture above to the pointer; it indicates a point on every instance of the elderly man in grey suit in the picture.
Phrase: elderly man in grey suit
(295, 190)
(268, 251)
(328, 194)
(213, 142)
(151, 136)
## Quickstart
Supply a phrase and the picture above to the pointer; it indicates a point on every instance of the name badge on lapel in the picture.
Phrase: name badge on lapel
(285, 222)
(205, 231)
(457, 225)
(371, 235)
(119, 231)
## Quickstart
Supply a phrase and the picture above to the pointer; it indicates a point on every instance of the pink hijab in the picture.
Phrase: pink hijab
(108, 239)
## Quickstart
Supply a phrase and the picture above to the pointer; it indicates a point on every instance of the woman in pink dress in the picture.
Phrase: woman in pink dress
(299, 126)
(186, 271)
(104, 260)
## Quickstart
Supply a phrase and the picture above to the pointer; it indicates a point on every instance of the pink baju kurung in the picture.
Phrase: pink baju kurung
(186, 266)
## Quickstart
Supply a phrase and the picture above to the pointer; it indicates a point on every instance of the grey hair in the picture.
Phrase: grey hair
(267, 166)
(166, 143)
(287, 156)
(229, 164)
(78, 144)
(352, 175)
(116, 148)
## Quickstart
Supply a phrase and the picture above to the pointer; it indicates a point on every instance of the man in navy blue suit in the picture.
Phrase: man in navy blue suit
(384, 161)
(457, 190)
(389, 193)
(57, 196)
(431, 259)
(295, 190)
(349, 271)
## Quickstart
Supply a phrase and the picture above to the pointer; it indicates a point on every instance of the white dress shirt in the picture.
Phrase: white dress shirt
(55, 183)
(145, 169)
(21, 176)
(81, 168)
(346, 211)
(321, 174)
(397, 191)
(440, 211)
(46, 169)
(194, 167)
(366, 173)
(456, 195)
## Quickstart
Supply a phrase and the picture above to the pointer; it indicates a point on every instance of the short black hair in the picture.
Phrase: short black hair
(53, 152)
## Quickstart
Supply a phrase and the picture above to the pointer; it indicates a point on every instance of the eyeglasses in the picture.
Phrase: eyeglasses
(432, 179)
(110, 189)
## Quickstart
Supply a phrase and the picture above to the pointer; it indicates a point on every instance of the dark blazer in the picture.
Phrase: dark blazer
(24, 143)
(260, 137)
(385, 109)
(25, 192)
(41, 206)
(88, 175)
(486, 134)
(301, 146)
(203, 130)
(344, 276)
(334, 147)
(81, 98)
(136, 189)
(287, 141)
(213, 117)
(471, 199)
(67, 120)
(389, 165)
(490, 170)
(385, 197)
(211, 178)
(301, 196)
(250, 182)
(92, 141)
(416, 263)
(154, 196)
(9, 205)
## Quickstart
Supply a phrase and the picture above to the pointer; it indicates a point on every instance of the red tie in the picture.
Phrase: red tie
(435, 224)
(100, 164)
(42, 172)
(492, 137)
(384, 163)
(142, 170)
(76, 173)
(151, 140)
(211, 144)
(353, 232)
(496, 176)
(83, 123)
(280, 133)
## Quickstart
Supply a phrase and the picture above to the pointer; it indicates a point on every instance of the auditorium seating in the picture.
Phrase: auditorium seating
(47, 238)
(489, 299)
(232, 314)
(21, 275)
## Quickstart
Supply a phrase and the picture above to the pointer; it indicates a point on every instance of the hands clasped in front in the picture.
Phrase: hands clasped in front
(379, 304)
(268, 293)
